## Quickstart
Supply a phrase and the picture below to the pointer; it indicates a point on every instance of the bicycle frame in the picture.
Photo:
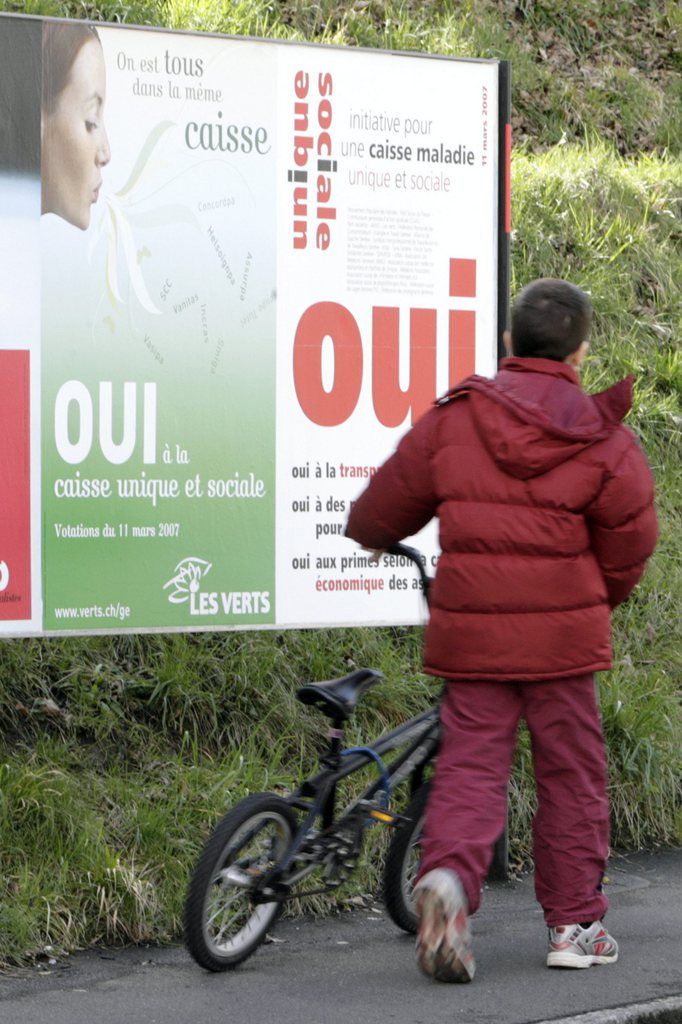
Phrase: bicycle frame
(420, 732)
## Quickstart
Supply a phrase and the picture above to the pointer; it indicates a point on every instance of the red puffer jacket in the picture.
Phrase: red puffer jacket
(545, 503)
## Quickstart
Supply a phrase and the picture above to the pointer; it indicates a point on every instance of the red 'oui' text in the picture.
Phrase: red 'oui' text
(312, 194)
(392, 404)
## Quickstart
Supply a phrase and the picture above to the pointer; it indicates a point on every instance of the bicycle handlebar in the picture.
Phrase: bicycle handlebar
(414, 556)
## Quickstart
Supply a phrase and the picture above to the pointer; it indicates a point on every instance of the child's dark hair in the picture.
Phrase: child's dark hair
(550, 319)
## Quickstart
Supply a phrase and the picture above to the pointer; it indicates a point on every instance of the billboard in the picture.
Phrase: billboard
(232, 274)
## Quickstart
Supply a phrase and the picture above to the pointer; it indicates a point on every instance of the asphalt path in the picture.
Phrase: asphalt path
(357, 968)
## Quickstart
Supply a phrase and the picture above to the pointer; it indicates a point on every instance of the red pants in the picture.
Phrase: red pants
(466, 812)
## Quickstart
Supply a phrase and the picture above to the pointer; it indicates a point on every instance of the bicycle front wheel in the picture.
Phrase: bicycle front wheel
(222, 924)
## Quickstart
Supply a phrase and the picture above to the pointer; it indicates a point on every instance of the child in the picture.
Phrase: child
(546, 518)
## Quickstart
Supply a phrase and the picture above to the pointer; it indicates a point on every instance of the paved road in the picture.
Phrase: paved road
(356, 968)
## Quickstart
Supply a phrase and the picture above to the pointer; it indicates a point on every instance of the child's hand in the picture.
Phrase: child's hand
(374, 555)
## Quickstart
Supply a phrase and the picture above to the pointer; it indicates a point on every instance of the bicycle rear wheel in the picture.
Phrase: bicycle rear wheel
(404, 855)
(402, 863)
(222, 924)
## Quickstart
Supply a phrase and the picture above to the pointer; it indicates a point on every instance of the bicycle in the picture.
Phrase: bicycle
(263, 848)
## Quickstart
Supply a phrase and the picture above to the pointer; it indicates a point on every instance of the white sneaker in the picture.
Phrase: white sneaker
(571, 945)
(443, 937)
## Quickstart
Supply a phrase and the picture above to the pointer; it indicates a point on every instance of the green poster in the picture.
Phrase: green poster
(158, 362)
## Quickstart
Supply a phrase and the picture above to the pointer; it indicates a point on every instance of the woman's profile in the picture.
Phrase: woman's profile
(74, 143)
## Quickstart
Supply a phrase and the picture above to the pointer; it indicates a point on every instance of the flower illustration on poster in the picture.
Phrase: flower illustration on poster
(128, 210)
(188, 575)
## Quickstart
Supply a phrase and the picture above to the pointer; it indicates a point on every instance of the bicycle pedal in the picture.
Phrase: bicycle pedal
(388, 817)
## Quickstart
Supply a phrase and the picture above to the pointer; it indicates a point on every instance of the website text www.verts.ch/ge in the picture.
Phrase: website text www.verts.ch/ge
(120, 612)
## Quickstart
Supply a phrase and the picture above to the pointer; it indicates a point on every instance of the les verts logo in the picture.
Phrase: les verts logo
(185, 587)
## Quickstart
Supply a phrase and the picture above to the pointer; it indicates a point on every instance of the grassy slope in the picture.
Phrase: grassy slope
(117, 753)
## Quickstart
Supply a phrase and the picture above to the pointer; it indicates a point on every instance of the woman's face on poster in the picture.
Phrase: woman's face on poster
(75, 146)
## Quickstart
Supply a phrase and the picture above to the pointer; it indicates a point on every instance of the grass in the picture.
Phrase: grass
(154, 740)
(117, 754)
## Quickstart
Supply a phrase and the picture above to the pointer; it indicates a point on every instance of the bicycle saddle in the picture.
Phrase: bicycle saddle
(337, 697)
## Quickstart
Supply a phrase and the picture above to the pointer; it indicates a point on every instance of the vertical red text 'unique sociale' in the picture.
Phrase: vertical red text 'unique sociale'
(312, 185)
(333, 406)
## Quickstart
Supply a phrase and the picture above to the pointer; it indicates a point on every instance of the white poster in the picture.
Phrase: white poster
(387, 277)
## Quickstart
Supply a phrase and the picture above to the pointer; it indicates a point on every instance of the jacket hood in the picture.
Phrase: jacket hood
(534, 415)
